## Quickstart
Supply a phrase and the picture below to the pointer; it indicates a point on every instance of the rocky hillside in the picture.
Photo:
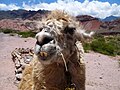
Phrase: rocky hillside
(24, 20)
(21, 20)
(23, 14)
(16, 24)
(111, 25)
(103, 27)
(89, 22)
(110, 18)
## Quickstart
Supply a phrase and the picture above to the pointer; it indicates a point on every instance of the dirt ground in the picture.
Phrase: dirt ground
(102, 72)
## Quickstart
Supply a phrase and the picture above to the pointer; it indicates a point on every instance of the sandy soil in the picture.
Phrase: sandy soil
(102, 72)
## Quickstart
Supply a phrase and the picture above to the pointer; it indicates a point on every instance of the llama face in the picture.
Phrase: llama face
(59, 34)
(54, 38)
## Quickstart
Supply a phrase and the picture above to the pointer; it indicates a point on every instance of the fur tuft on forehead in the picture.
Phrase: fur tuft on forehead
(60, 16)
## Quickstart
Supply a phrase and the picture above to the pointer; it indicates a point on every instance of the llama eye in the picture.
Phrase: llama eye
(59, 28)
(69, 30)
(40, 29)
(50, 25)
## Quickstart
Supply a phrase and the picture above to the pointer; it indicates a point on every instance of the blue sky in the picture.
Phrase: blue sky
(96, 8)
(19, 2)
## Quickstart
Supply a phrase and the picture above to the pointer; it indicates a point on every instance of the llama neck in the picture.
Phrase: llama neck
(54, 76)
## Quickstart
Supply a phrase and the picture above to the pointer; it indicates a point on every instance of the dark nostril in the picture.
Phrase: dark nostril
(54, 47)
(45, 40)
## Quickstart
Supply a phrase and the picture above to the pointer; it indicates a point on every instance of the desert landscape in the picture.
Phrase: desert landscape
(102, 71)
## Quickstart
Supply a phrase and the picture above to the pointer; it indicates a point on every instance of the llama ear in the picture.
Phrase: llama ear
(81, 35)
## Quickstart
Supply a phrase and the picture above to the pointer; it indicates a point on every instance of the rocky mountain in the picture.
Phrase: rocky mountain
(21, 20)
(16, 24)
(24, 14)
(110, 18)
(112, 26)
(103, 27)
(25, 20)
(89, 22)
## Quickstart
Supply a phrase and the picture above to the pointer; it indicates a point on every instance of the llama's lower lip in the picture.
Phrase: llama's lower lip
(43, 58)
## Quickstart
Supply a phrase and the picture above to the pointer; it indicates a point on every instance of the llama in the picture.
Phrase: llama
(58, 60)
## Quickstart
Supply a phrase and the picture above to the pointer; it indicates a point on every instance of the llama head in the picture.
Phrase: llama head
(58, 34)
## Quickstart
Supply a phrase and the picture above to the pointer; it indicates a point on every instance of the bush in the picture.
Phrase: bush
(108, 46)
(87, 47)
(27, 34)
(7, 31)
(23, 34)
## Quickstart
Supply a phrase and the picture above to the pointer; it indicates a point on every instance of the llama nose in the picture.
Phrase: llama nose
(43, 38)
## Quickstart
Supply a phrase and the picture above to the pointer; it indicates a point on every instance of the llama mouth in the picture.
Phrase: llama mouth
(47, 51)
(43, 55)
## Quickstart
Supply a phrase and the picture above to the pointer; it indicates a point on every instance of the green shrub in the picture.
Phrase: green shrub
(23, 34)
(7, 31)
(102, 47)
(108, 46)
(87, 47)
(27, 34)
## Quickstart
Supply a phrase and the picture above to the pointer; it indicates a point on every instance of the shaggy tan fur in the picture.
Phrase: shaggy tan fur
(51, 76)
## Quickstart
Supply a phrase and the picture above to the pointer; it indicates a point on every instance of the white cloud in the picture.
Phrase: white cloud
(9, 7)
(94, 8)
